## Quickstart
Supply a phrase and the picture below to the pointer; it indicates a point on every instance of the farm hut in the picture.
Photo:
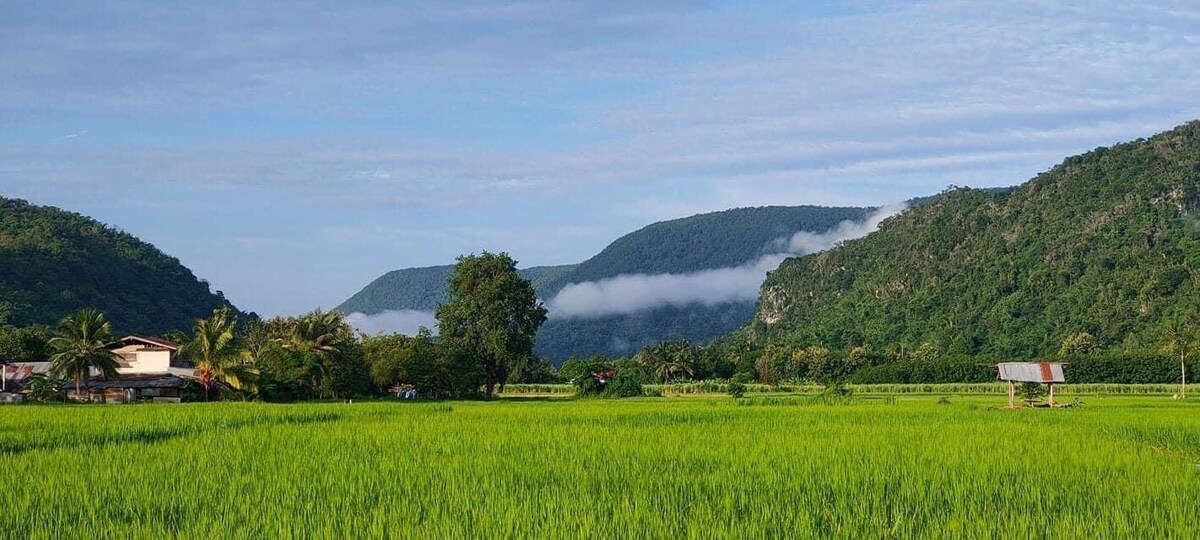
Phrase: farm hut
(1047, 373)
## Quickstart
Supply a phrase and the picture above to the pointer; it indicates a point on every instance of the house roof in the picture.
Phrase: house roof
(151, 341)
(149, 380)
(25, 370)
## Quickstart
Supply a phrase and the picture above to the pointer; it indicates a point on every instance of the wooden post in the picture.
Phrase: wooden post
(1012, 395)
(1050, 401)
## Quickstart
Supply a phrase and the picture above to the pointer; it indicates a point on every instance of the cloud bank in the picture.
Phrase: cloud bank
(633, 293)
(406, 322)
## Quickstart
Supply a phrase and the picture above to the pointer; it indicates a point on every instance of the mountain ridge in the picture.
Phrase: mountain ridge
(1106, 242)
(57, 261)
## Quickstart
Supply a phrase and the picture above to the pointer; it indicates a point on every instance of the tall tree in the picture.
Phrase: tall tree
(493, 314)
(215, 351)
(80, 345)
(1181, 339)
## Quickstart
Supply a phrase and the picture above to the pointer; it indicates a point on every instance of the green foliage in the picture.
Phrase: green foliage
(626, 383)
(313, 356)
(1078, 344)
(930, 371)
(25, 344)
(736, 389)
(80, 344)
(591, 376)
(46, 389)
(1031, 391)
(56, 262)
(431, 367)
(1104, 243)
(493, 315)
(215, 350)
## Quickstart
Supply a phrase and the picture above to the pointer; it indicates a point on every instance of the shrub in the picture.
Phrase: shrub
(626, 383)
(736, 389)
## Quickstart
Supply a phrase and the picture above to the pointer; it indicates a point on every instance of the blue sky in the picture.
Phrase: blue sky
(290, 154)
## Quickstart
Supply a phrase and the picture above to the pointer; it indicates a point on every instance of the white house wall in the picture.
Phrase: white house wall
(146, 362)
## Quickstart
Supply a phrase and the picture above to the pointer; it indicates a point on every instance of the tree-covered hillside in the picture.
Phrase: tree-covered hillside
(53, 262)
(1106, 243)
(701, 242)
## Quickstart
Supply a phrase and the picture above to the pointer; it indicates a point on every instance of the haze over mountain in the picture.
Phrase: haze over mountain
(693, 278)
(1107, 242)
(54, 262)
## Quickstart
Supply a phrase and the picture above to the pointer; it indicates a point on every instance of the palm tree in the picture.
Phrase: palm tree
(216, 353)
(81, 345)
(1181, 339)
(322, 336)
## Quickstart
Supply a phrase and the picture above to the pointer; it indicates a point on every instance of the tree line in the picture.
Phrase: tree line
(487, 335)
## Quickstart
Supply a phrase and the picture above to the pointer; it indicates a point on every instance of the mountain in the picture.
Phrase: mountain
(1107, 243)
(706, 241)
(53, 262)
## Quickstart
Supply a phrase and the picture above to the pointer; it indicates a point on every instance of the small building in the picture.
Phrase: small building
(15, 376)
(1047, 373)
(148, 369)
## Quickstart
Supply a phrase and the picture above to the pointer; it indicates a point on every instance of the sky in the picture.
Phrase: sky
(291, 153)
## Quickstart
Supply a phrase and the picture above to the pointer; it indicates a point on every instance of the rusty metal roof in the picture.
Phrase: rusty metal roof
(1037, 372)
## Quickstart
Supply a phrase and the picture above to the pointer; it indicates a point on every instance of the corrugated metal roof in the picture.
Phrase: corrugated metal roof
(1038, 372)
(24, 370)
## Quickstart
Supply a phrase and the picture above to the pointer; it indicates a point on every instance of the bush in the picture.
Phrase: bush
(736, 389)
(626, 383)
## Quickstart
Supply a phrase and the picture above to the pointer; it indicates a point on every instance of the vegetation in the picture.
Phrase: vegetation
(493, 314)
(57, 262)
(81, 345)
(216, 353)
(1119, 467)
(1105, 243)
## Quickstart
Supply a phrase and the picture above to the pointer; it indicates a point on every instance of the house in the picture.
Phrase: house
(14, 377)
(148, 369)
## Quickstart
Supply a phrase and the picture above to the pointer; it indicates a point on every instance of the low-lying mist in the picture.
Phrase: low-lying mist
(638, 292)
(633, 293)
(406, 322)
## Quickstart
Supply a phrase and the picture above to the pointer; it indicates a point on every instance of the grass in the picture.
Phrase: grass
(894, 466)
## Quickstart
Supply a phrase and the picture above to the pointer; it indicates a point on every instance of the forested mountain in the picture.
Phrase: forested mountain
(53, 262)
(1107, 243)
(701, 242)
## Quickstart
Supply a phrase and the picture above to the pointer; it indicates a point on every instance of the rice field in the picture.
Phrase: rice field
(901, 466)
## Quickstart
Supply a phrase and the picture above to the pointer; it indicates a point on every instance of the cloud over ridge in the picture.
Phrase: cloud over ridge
(628, 294)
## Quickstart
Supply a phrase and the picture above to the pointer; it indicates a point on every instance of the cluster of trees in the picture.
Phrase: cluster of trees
(488, 328)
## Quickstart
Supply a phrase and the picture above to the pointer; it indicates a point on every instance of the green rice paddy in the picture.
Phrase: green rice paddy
(678, 467)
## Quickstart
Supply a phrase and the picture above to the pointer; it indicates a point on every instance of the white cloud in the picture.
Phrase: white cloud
(407, 322)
